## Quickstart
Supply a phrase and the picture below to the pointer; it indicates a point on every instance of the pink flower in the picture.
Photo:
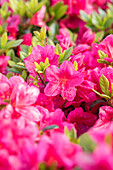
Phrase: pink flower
(77, 5)
(58, 149)
(63, 81)
(21, 98)
(38, 17)
(4, 84)
(81, 48)
(24, 99)
(82, 120)
(13, 22)
(88, 37)
(64, 39)
(105, 118)
(39, 54)
(55, 118)
(3, 63)
(101, 158)
(105, 46)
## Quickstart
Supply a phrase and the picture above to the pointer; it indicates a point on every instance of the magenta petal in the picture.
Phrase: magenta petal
(52, 89)
(52, 73)
(69, 94)
(29, 112)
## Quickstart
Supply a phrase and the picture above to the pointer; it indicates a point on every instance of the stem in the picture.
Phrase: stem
(41, 79)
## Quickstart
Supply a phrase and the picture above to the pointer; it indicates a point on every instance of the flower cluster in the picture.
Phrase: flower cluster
(56, 85)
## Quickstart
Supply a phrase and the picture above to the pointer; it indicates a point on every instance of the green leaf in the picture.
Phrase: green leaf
(102, 55)
(9, 75)
(102, 95)
(104, 84)
(58, 10)
(13, 43)
(102, 12)
(23, 55)
(11, 53)
(58, 49)
(24, 48)
(50, 127)
(87, 144)
(103, 61)
(54, 29)
(11, 63)
(95, 103)
(14, 70)
(19, 66)
(96, 20)
(112, 90)
(105, 96)
(84, 16)
(75, 65)
(61, 12)
(4, 40)
(24, 74)
(108, 23)
(43, 33)
(14, 5)
(67, 54)
(71, 134)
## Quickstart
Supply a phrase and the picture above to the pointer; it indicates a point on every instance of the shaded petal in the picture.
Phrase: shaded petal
(26, 95)
(52, 73)
(69, 93)
(29, 112)
(52, 89)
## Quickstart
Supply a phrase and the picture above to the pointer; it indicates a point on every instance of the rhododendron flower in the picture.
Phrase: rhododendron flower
(105, 118)
(39, 54)
(85, 89)
(58, 149)
(106, 46)
(3, 63)
(55, 118)
(88, 37)
(82, 120)
(64, 39)
(100, 159)
(38, 17)
(21, 97)
(12, 28)
(63, 81)
(81, 48)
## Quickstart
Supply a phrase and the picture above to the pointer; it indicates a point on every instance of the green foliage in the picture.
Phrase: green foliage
(96, 102)
(66, 54)
(39, 38)
(58, 10)
(26, 9)
(4, 40)
(99, 21)
(104, 84)
(40, 68)
(50, 127)
(4, 11)
(87, 144)
(71, 135)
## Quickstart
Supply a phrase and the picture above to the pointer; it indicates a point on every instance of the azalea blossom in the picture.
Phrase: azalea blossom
(39, 54)
(63, 80)
(20, 96)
